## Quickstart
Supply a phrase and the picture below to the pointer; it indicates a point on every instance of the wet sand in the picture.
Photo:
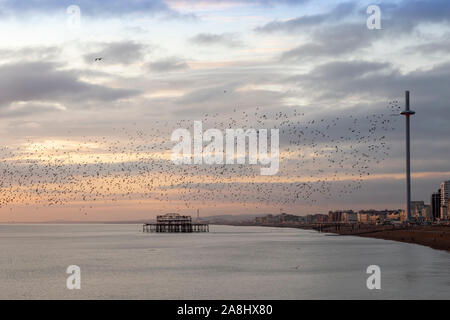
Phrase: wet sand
(437, 237)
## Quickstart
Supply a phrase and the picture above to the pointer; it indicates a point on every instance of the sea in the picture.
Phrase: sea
(119, 261)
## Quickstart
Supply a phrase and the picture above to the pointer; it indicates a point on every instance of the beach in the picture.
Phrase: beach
(433, 236)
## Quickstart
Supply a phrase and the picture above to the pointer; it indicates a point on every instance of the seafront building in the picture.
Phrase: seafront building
(370, 216)
(377, 216)
(350, 217)
(438, 209)
(280, 219)
(448, 210)
(342, 216)
(445, 193)
(399, 215)
(334, 216)
(421, 211)
(427, 212)
(436, 205)
(320, 218)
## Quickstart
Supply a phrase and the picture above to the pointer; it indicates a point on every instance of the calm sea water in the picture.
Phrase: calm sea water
(120, 262)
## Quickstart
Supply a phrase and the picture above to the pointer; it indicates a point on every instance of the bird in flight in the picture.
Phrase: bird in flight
(98, 59)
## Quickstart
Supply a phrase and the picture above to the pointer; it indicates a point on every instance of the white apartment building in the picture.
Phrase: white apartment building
(350, 217)
(417, 209)
(445, 196)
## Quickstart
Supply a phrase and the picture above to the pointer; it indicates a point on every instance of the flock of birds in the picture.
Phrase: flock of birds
(321, 158)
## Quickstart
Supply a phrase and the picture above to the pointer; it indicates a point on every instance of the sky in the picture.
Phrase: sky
(89, 140)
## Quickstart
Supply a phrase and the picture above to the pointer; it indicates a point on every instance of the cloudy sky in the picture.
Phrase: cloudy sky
(71, 125)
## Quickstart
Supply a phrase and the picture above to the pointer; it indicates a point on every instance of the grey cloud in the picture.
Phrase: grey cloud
(89, 7)
(433, 47)
(204, 95)
(124, 52)
(334, 82)
(114, 7)
(336, 41)
(225, 99)
(408, 14)
(39, 81)
(403, 16)
(169, 64)
(30, 54)
(226, 39)
(29, 109)
(343, 38)
(352, 70)
(351, 77)
(341, 11)
(292, 25)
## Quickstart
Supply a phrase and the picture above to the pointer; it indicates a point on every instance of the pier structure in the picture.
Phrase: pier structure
(175, 223)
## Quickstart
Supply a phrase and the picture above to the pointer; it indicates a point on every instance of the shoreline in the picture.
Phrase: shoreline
(435, 236)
